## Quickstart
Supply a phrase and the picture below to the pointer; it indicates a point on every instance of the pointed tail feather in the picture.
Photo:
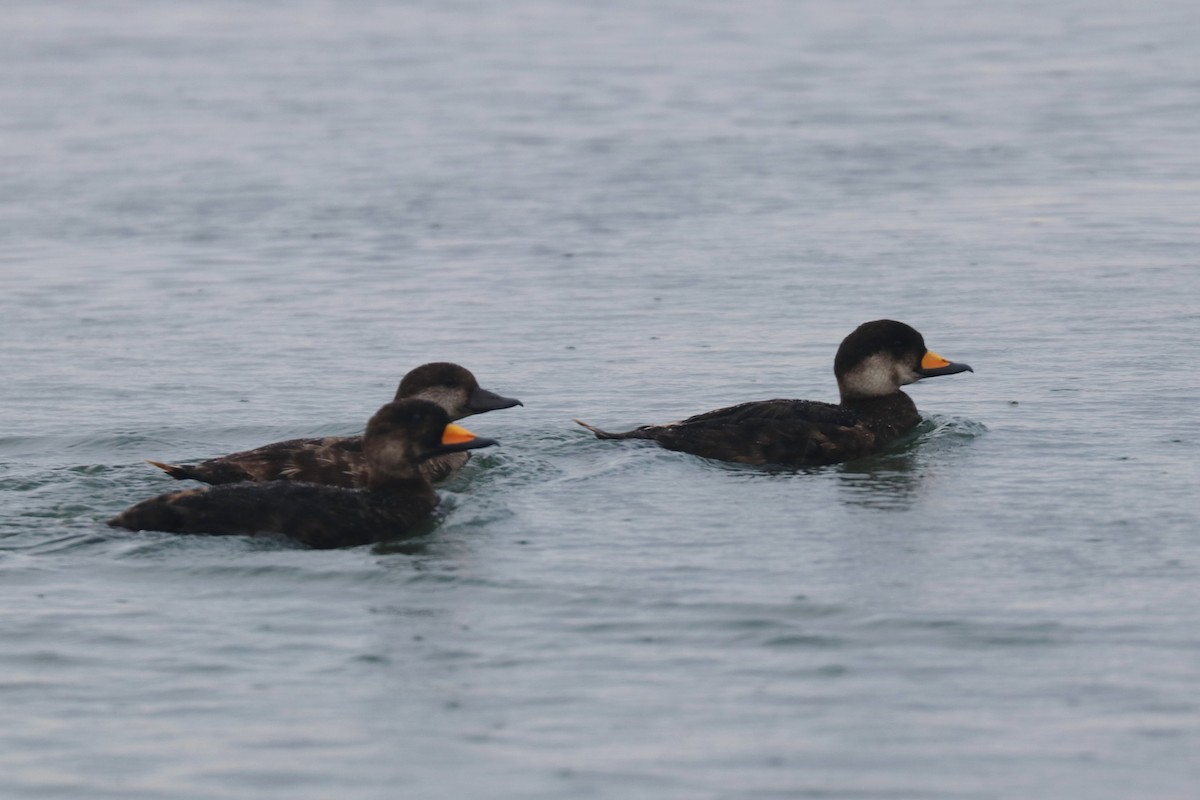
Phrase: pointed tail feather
(178, 473)
(602, 434)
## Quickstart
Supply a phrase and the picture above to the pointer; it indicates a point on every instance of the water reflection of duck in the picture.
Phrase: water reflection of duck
(889, 482)
(871, 365)
(395, 499)
(338, 460)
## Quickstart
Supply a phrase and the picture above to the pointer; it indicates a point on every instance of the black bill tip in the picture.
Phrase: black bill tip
(482, 400)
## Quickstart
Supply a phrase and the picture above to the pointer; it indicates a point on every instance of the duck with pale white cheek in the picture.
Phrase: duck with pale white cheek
(871, 365)
(395, 499)
(338, 460)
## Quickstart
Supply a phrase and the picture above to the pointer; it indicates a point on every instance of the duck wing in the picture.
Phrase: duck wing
(330, 460)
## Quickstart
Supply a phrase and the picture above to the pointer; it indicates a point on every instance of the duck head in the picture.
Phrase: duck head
(453, 388)
(404, 433)
(881, 356)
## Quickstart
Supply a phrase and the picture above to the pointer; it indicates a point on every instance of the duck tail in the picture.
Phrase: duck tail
(602, 434)
(178, 473)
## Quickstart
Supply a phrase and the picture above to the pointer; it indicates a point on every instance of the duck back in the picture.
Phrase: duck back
(319, 516)
(330, 460)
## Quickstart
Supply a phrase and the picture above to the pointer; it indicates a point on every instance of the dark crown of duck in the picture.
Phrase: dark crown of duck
(881, 356)
(406, 432)
(452, 387)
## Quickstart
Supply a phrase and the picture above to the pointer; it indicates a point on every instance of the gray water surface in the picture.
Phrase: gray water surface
(223, 224)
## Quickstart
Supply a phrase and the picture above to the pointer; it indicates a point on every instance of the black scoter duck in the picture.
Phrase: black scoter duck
(396, 496)
(871, 365)
(338, 460)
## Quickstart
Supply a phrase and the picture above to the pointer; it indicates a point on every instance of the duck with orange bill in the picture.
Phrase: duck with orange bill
(395, 499)
(338, 460)
(871, 365)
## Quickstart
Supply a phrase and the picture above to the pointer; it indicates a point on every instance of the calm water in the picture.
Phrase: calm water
(222, 225)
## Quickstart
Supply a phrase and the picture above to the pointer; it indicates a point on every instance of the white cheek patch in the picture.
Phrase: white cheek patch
(906, 374)
(451, 400)
(877, 376)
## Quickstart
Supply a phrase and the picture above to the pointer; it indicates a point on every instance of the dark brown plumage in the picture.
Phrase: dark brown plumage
(396, 497)
(338, 460)
(871, 365)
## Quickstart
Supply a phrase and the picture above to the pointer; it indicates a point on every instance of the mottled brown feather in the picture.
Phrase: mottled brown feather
(338, 460)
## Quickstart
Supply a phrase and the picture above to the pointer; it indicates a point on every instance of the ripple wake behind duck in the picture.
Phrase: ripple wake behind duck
(338, 460)
(871, 365)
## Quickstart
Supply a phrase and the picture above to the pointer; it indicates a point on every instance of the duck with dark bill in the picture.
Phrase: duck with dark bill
(396, 496)
(338, 460)
(871, 365)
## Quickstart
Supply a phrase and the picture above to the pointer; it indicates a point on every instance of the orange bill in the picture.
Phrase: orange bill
(457, 434)
(932, 364)
(933, 361)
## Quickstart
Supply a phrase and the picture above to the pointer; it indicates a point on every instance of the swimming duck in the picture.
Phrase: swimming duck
(871, 365)
(338, 460)
(396, 497)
